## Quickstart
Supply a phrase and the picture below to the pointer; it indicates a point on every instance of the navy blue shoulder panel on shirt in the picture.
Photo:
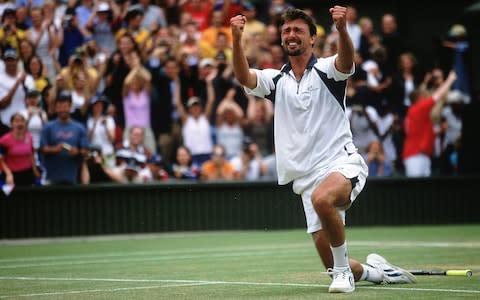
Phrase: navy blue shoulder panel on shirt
(271, 96)
(337, 88)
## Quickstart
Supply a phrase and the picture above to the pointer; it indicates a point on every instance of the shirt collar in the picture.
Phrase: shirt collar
(287, 67)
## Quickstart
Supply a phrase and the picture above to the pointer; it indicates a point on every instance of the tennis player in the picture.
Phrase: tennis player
(313, 140)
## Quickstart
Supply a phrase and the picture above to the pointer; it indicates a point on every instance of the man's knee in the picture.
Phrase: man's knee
(322, 200)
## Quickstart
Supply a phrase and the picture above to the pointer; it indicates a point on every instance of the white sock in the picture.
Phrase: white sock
(371, 274)
(340, 256)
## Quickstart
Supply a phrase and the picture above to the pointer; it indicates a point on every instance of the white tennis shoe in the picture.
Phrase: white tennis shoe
(391, 274)
(343, 281)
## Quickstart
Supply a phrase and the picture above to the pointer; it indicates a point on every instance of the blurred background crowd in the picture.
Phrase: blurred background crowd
(139, 91)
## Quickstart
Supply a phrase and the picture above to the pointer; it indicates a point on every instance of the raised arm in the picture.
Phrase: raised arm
(345, 50)
(242, 71)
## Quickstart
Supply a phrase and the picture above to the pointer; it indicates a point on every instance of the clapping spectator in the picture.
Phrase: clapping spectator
(229, 125)
(13, 83)
(64, 144)
(101, 129)
(17, 156)
(34, 67)
(137, 102)
(182, 167)
(36, 117)
(45, 39)
(377, 164)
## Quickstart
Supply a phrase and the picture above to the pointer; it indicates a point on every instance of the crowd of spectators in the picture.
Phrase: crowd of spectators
(139, 91)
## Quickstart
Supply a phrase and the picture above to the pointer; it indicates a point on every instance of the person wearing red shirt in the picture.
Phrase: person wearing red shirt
(419, 134)
(200, 10)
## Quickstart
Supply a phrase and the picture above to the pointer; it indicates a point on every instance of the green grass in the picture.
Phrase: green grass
(233, 265)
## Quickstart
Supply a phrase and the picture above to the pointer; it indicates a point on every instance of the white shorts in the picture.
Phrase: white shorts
(352, 167)
(418, 166)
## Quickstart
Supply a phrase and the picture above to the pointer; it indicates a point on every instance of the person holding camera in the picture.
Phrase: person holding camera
(10, 35)
(101, 129)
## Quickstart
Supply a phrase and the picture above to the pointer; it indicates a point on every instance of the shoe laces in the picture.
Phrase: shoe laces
(332, 272)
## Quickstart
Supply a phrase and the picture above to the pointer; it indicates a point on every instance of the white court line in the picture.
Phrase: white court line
(100, 290)
(129, 259)
(181, 283)
(376, 244)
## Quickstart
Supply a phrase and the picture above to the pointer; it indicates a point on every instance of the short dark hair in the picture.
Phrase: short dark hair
(64, 96)
(294, 14)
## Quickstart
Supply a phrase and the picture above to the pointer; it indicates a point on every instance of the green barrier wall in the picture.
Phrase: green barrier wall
(185, 206)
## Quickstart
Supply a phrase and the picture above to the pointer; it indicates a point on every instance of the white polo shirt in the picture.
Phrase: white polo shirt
(310, 124)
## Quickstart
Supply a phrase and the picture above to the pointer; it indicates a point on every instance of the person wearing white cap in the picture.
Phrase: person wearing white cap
(12, 86)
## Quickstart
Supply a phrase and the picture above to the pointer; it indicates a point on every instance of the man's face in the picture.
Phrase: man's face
(296, 38)
(11, 65)
(63, 109)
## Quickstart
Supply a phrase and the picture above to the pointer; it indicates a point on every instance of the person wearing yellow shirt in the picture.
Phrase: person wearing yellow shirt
(142, 36)
(10, 35)
(209, 35)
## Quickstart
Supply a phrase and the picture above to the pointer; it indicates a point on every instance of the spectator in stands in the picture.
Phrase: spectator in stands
(196, 131)
(252, 26)
(103, 24)
(368, 37)
(17, 156)
(137, 102)
(248, 165)
(405, 78)
(459, 57)
(64, 144)
(134, 148)
(36, 117)
(166, 83)
(363, 122)
(26, 50)
(210, 34)
(182, 167)
(392, 40)
(153, 15)
(81, 96)
(379, 76)
(119, 65)
(141, 35)
(274, 59)
(190, 40)
(72, 36)
(34, 67)
(353, 28)
(229, 126)
(45, 39)
(97, 170)
(447, 120)
(217, 167)
(199, 10)
(13, 83)
(259, 124)
(419, 135)
(101, 129)
(10, 35)
(131, 172)
(386, 133)
(378, 166)
(156, 166)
